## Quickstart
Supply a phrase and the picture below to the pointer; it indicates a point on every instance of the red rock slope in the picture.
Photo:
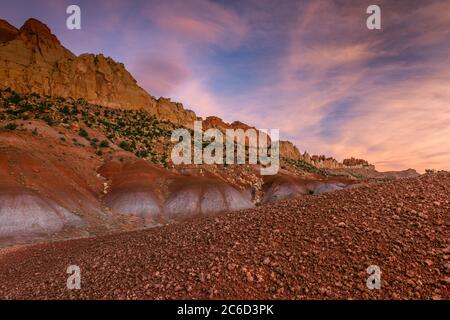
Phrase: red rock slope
(315, 247)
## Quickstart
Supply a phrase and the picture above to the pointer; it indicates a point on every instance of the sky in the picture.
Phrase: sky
(309, 68)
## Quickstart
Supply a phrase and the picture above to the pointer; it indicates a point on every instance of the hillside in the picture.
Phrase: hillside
(33, 61)
(311, 248)
(84, 151)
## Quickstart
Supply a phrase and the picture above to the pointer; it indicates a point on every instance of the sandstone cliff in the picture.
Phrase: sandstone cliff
(289, 150)
(7, 31)
(33, 60)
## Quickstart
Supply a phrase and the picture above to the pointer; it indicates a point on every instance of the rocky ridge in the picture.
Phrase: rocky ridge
(32, 60)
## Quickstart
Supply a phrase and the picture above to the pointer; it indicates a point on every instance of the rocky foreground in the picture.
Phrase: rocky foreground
(315, 247)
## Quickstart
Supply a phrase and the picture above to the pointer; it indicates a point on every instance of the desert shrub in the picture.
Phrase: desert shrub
(49, 120)
(99, 153)
(104, 144)
(11, 126)
(83, 133)
(164, 160)
(42, 107)
(125, 146)
(65, 110)
(142, 153)
(26, 108)
(15, 98)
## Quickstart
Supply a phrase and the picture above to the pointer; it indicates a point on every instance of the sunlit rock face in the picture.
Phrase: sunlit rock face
(32, 60)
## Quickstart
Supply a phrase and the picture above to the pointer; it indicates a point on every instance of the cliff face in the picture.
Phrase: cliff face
(33, 60)
(7, 31)
(289, 150)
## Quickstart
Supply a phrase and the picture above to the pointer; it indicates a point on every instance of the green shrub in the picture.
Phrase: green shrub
(104, 144)
(11, 126)
(15, 98)
(142, 153)
(83, 133)
(49, 120)
(65, 110)
(125, 146)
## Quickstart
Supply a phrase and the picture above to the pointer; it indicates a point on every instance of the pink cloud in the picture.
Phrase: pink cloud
(198, 21)
(160, 75)
(396, 124)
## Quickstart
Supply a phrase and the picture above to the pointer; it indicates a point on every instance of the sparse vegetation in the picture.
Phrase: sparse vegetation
(305, 166)
(104, 144)
(125, 146)
(49, 120)
(83, 133)
(136, 131)
(11, 126)
(15, 98)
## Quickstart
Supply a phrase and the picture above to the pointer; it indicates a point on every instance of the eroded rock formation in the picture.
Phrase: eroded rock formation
(32, 60)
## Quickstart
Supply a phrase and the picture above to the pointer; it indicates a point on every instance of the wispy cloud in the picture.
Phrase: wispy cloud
(344, 90)
(198, 21)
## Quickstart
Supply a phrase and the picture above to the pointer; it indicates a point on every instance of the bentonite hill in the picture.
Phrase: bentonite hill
(309, 248)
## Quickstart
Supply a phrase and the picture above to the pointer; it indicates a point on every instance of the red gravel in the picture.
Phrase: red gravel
(316, 247)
